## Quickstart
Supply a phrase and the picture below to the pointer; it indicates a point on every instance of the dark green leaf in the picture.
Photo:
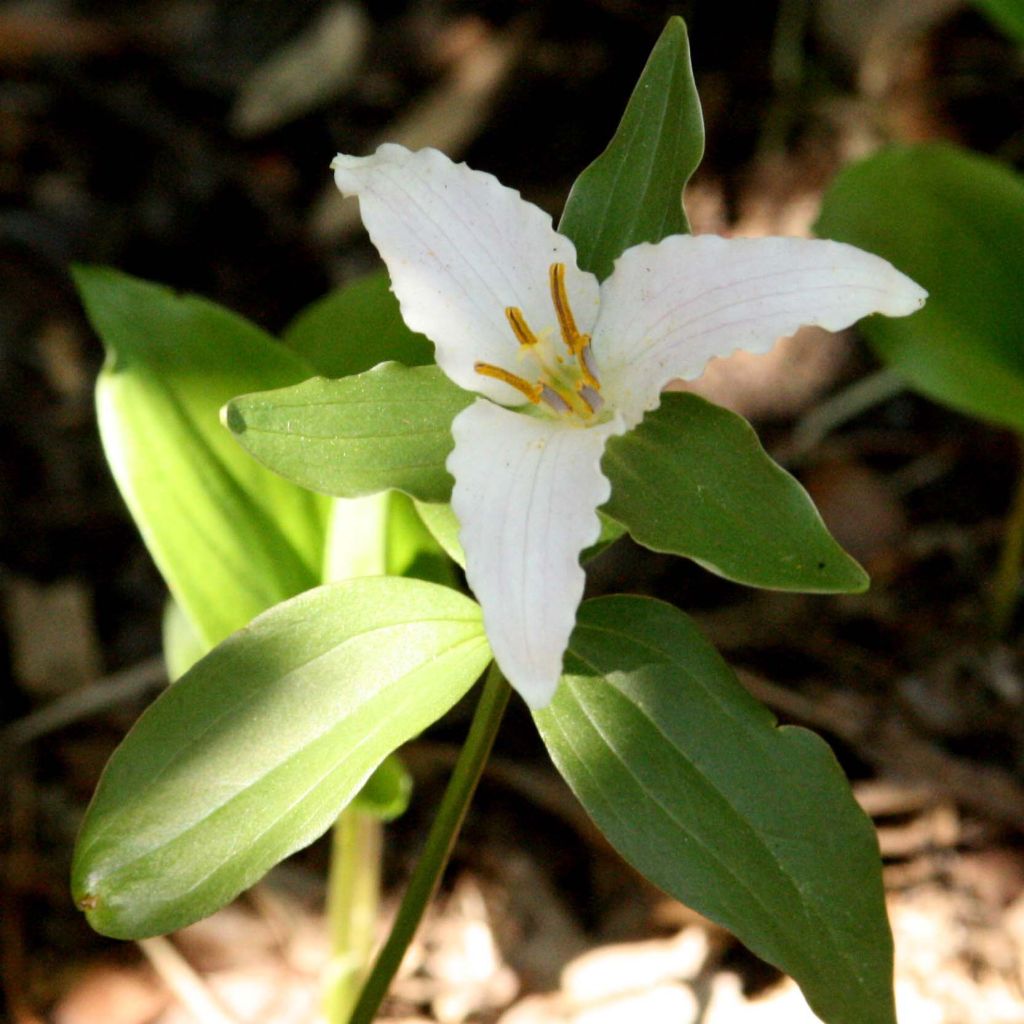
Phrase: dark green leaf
(230, 538)
(695, 785)
(693, 480)
(953, 221)
(1007, 14)
(255, 750)
(354, 328)
(387, 428)
(633, 192)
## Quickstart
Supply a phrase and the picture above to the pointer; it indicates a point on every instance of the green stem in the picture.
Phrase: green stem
(353, 896)
(1008, 571)
(427, 875)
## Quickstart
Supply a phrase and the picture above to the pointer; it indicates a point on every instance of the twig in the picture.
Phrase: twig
(110, 692)
(176, 973)
(842, 407)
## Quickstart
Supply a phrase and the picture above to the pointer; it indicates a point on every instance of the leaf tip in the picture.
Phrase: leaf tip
(90, 901)
(232, 417)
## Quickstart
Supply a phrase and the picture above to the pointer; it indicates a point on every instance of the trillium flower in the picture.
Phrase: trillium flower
(562, 362)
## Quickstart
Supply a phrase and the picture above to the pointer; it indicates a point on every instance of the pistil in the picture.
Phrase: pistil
(563, 389)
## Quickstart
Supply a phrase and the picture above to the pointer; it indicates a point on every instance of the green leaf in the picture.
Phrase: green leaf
(443, 525)
(1007, 14)
(387, 792)
(354, 328)
(412, 549)
(695, 785)
(953, 221)
(230, 538)
(253, 752)
(692, 479)
(387, 428)
(183, 646)
(633, 192)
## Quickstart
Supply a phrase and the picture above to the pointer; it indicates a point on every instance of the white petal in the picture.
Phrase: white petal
(461, 248)
(668, 308)
(526, 491)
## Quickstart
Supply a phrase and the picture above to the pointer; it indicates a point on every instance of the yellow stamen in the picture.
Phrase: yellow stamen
(531, 391)
(520, 327)
(574, 341)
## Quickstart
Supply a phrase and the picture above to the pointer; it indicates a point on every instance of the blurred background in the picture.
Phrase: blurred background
(188, 141)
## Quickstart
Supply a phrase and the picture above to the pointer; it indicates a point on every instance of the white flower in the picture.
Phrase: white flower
(563, 362)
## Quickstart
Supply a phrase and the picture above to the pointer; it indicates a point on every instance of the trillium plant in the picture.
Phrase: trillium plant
(498, 402)
(563, 362)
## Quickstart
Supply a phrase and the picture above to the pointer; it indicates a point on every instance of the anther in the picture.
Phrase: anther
(520, 328)
(533, 392)
(574, 341)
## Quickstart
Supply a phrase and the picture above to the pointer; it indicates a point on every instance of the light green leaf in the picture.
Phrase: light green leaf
(1007, 14)
(387, 428)
(693, 480)
(443, 525)
(354, 328)
(695, 785)
(183, 646)
(387, 792)
(633, 192)
(412, 549)
(953, 221)
(230, 538)
(255, 750)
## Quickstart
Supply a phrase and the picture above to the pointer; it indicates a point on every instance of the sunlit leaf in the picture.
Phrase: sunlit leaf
(230, 538)
(953, 221)
(255, 750)
(387, 428)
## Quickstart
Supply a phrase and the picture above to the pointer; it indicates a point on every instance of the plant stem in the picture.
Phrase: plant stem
(1008, 571)
(353, 896)
(427, 875)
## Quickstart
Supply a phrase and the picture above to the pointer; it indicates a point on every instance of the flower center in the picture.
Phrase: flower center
(568, 387)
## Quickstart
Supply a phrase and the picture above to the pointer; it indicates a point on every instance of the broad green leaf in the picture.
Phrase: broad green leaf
(1007, 14)
(953, 221)
(229, 538)
(695, 785)
(354, 328)
(693, 480)
(633, 192)
(255, 750)
(387, 428)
